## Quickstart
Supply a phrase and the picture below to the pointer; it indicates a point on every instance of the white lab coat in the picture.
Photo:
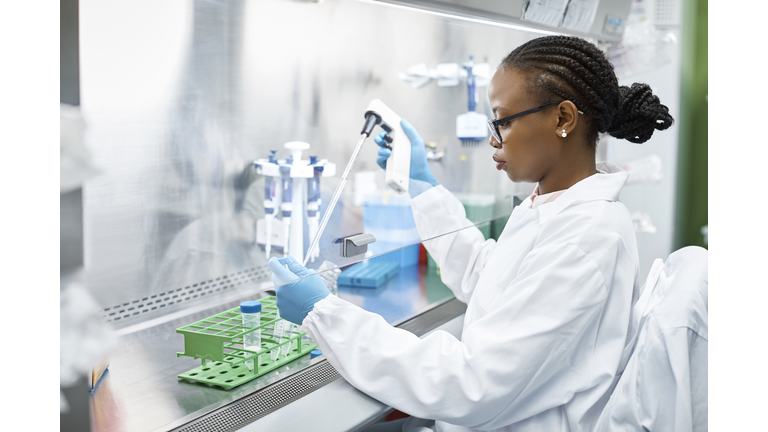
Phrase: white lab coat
(547, 318)
(664, 385)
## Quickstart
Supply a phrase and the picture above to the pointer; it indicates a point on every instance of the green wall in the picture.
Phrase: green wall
(692, 211)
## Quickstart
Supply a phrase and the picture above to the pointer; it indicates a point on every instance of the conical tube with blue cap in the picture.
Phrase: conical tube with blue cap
(251, 311)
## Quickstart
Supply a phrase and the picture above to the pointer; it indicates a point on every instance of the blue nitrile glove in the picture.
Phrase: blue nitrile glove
(419, 168)
(295, 300)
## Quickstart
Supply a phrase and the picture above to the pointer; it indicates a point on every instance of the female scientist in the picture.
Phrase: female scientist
(548, 304)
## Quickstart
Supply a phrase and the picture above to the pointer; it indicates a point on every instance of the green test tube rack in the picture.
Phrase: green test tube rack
(218, 341)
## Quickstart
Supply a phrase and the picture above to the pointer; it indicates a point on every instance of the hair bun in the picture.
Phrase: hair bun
(640, 113)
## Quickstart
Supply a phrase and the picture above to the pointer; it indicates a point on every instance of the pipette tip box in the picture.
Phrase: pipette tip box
(368, 274)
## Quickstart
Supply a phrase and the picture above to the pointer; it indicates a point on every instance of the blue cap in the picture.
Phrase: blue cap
(250, 307)
(315, 353)
(312, 160)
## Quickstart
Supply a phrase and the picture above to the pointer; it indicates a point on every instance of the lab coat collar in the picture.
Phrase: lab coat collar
(605, 185)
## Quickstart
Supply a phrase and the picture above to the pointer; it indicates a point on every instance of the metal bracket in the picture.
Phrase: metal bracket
(356, 244)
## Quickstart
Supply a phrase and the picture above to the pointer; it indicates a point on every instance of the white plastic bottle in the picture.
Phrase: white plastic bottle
(251, 311)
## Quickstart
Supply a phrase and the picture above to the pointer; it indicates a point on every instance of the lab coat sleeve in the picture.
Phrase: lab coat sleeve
(463, 252)
(531, 352)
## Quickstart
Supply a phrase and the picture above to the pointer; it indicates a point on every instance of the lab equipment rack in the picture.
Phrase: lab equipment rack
(218, 341)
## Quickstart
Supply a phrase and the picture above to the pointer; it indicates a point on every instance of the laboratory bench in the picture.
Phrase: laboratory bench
(141, 391)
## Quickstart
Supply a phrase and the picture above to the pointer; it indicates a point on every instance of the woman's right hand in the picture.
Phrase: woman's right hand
(419, 168)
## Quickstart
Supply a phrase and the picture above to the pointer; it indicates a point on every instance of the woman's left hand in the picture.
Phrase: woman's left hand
(297, 289)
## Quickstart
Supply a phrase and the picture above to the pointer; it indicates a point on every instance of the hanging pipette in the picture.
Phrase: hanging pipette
(287, 205)
(313, 202)
(270, 183)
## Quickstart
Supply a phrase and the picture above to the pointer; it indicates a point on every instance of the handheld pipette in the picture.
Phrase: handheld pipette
(398, 163)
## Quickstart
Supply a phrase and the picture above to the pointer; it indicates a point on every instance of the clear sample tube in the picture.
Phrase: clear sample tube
(287, 333)
(251, 311)
(277, 335)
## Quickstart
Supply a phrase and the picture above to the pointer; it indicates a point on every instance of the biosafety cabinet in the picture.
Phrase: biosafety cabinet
(220, 132)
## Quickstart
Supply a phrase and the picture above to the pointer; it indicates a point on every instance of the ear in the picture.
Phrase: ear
(567, 118)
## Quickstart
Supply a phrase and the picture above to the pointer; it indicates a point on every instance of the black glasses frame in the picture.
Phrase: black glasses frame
(493, 125)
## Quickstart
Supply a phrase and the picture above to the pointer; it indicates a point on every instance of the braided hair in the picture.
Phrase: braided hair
(576, 70)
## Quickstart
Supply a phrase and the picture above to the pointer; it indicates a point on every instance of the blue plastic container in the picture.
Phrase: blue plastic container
(369, 274)
(404, 257)
(389, 218)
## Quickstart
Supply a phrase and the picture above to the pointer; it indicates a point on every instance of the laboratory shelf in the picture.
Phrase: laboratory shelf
(219, 339)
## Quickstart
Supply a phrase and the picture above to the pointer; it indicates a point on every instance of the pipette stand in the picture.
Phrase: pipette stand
(300, 171)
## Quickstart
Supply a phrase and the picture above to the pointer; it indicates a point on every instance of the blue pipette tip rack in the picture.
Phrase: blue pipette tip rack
(368, 274)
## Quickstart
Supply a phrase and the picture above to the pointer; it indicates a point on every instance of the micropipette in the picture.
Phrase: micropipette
(398, 163)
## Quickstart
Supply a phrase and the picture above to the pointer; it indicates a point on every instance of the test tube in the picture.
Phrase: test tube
(277, 335)
(251, 311)
(287, 333)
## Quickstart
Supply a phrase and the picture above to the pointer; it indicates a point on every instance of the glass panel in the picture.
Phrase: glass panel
(181, 98)
(388, 217)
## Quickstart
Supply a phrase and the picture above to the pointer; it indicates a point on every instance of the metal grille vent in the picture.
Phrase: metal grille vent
(263, 402)
(185, 294)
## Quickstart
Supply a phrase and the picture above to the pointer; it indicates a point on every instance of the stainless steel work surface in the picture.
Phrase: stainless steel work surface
(141, 391)
(335, 407)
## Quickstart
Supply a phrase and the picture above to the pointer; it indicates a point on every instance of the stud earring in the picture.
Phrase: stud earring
(564, 134)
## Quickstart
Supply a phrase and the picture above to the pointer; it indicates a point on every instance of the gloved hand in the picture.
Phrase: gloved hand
(295, 300)
(419, 168)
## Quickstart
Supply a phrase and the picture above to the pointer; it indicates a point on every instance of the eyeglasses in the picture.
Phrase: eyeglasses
(493, 125)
